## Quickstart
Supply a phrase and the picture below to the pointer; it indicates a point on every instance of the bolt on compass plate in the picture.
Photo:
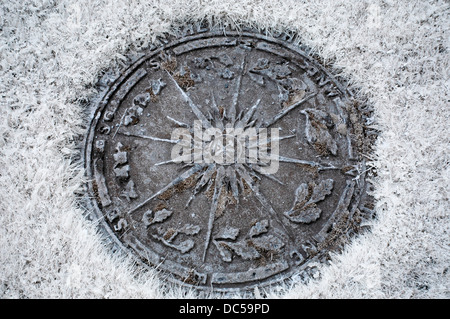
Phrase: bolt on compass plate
(227, 160)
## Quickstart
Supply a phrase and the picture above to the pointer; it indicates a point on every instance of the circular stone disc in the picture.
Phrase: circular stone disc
(227, 161)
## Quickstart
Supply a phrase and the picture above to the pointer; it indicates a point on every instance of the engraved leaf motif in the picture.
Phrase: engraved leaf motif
(307, 215)
(147, 218)
(158, 216)
(317, 132)
(224, 251)
(320, 191)
(305, 209)
(228, 233)
(249, 248)
(171, 234)
(190, 229)
(161, 215)
(240, 248)
(225, 59)
(259, 228)
(243, 250)
(185, 246)
(268, 243)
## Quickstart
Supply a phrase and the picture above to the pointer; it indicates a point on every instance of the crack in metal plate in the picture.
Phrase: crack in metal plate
(237, 211)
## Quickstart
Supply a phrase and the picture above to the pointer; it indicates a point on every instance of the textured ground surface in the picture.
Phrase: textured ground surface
(51, 54)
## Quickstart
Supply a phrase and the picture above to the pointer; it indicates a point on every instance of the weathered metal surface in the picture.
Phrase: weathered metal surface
(218, 221)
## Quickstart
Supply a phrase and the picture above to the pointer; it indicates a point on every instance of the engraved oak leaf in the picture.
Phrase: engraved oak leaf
(171, 234)
(150, 218)
(305, 210)
(249, 248)
(317, 132)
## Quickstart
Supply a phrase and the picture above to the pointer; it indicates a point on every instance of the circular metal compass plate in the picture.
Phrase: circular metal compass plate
(226, 160)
